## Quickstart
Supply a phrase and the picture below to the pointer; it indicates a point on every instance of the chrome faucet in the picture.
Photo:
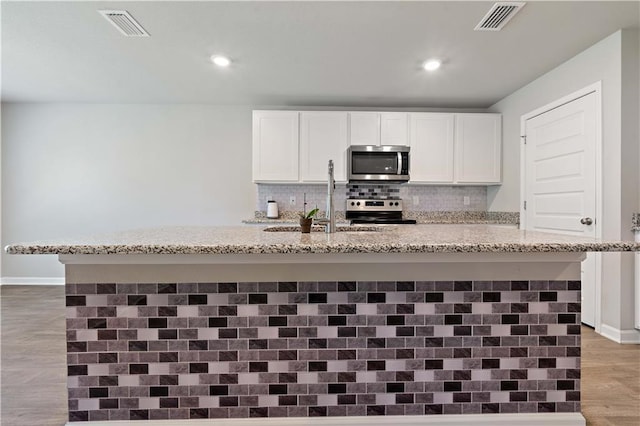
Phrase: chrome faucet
(330, 221)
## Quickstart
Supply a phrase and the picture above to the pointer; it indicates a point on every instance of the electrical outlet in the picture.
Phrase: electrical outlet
(416, 200)
(292, 200)
(466, 200)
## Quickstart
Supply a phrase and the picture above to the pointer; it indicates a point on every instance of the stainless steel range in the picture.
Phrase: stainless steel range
(364, 210)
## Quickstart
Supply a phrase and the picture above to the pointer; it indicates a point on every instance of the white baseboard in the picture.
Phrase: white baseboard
(631, 336)
(32, 281)
(524, 419)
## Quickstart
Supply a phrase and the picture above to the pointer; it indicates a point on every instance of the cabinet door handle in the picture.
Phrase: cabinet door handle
(586, 221)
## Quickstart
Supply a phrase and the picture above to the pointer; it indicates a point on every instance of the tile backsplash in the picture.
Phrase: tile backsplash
(316, 196)
(415, 197)
(145, 351)
(378, 192)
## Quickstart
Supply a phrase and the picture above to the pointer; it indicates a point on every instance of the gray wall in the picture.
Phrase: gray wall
(630, 170)
(75, 169)
(614, 62)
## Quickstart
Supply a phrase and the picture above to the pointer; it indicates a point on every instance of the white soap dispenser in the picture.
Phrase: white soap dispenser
(272, 209)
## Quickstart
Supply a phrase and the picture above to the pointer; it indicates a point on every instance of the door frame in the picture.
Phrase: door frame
(595, 88)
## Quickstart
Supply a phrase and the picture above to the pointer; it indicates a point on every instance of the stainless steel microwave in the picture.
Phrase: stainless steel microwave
(370, 163)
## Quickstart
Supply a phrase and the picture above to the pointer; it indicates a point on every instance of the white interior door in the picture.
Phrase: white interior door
(560, 180)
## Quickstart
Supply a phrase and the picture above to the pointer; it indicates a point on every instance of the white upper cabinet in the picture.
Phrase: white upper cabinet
(364, 128)
(394, 128)
(378, 128)
(431, 141)
(275, 146)
(446, 148)
(323, 137)
(478, 142)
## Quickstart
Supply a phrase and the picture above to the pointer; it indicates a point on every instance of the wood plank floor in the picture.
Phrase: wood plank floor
(33, 358)
(33, 348)
(610, 381)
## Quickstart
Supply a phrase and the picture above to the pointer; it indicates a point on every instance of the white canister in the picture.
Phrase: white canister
(272, 209)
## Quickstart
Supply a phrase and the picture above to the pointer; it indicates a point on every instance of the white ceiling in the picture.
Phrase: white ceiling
(292, 53)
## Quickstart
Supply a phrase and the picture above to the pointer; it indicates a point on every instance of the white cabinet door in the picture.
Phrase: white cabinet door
(478, 148)
(378, 128)
(275, 146)
(394, 128)
(364, 128)
(431, 141)
(323, 137)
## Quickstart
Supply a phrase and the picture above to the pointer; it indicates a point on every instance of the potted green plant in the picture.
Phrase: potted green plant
(306, 220)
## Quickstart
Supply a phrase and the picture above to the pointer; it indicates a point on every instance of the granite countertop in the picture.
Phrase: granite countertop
(388, 239)
(422, 217)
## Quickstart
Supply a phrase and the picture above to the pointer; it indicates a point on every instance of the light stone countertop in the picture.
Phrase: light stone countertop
(422, 217)
(282, 221)
(389, 239)
(453, 221)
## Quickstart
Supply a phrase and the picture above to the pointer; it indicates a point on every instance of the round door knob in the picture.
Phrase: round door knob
(586, 221)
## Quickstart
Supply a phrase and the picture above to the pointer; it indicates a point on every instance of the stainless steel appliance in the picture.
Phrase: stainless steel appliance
(387, 163)
(364, 210)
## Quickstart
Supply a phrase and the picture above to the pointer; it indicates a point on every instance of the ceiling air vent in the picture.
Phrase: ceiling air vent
(498, 16)
(124, 22)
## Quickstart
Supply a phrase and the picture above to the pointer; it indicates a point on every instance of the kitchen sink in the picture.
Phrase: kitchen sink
(319, 228)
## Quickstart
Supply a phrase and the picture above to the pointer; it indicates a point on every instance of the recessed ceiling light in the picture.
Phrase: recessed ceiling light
(432, 64)
(221, 61)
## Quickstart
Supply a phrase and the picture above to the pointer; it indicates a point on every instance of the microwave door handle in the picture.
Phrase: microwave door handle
(399, 163)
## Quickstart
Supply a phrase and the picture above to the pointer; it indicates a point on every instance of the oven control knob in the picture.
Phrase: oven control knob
(358, 203)
(396, 203)
(353, 204)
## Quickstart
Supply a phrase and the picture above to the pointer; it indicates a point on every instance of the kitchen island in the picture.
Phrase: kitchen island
(455, 323)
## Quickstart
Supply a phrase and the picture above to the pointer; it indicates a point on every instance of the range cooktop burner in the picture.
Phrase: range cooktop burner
(373, 211)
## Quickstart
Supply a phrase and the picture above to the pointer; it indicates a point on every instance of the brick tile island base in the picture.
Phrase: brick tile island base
(430, 335)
